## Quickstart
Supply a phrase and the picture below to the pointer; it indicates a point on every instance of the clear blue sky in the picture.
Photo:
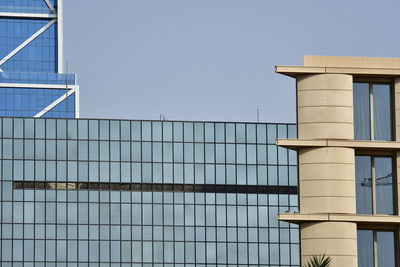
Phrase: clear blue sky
(212, 59)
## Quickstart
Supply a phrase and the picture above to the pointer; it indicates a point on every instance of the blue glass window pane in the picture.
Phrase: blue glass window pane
(386, 248)
(365, 245)
(384, 185)
(382, 112)
(23, 6)
(29, 102)
(362, 121)
(39, 55)
(363, 185)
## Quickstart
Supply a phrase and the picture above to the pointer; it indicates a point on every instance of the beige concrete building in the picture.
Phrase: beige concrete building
(348, 119)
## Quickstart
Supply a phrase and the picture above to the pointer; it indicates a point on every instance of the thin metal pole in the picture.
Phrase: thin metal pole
(373, 184)
(66, 89)
(371, 112)
(258, 114)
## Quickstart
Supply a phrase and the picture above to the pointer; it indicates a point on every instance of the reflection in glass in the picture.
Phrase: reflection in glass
(363, 185)
(89, 197)
(384, 185)
(376, 187)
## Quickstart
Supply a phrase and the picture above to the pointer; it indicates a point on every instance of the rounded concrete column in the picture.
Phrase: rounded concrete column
(325, 106)
(327, 174)
(335, 239)
(327, 180)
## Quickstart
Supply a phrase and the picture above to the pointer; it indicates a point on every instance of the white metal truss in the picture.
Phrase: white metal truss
(26, 42)
(28, 15)
(74, 90)
(51, 7)
(41, 86)
(77, 99)
(56, 16)
(60, 31)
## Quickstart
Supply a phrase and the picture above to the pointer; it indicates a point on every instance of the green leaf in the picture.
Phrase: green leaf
(319, 261)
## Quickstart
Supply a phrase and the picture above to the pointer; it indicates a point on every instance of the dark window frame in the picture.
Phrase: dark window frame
(394, 179)
(379, 228)
(371, 83)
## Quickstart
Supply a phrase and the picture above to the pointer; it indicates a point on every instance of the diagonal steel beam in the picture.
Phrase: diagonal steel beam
(51, 7)
(26, 42)
(55, 103)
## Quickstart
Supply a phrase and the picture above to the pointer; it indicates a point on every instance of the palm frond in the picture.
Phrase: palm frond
(319, 261)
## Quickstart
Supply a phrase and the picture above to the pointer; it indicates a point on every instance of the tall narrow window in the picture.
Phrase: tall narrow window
(365, 244)
(376, 248)
(372, 111)
(374, 185)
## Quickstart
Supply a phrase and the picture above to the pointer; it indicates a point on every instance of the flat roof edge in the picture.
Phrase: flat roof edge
(294, 71)
(351, 62)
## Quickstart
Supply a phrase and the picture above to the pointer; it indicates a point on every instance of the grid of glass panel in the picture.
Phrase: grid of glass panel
(36, 64)
(27, 102)
(38, 56)
(145, 228)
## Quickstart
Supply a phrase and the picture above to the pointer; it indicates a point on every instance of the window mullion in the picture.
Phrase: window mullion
(371, 111)
(373, 184)
(375, 249)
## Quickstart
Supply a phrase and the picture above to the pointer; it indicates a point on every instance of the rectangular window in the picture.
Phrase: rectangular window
(374, 185)
(372, 111)
(376, 248)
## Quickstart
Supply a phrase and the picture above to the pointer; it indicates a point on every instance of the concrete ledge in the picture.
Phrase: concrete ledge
(370, 145)
(335, 217)
(294, 71)
(351, 62)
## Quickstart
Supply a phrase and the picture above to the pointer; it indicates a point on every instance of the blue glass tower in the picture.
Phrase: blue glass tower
(33, 82)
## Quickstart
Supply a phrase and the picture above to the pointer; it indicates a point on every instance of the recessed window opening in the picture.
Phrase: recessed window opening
(376, 248)
(373, 111)
(374, 185)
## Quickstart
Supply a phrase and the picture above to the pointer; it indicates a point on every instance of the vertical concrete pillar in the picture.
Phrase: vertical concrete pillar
(327, 180)
(336, 239)
(326, 174)
(325, 106)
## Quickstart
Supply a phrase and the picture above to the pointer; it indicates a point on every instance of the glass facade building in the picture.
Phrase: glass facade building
(33, 82)
(146, 193)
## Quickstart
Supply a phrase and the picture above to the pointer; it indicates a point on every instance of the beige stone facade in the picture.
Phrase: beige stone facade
(326, 153)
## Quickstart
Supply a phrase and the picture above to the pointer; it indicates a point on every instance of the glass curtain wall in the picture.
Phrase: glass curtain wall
(146, 193)
(29, 78)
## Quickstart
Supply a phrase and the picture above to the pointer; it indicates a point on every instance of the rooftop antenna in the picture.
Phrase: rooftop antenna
(66, 89)
(258, 114)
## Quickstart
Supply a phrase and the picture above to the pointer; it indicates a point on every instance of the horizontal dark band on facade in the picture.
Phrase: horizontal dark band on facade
(157, 187)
